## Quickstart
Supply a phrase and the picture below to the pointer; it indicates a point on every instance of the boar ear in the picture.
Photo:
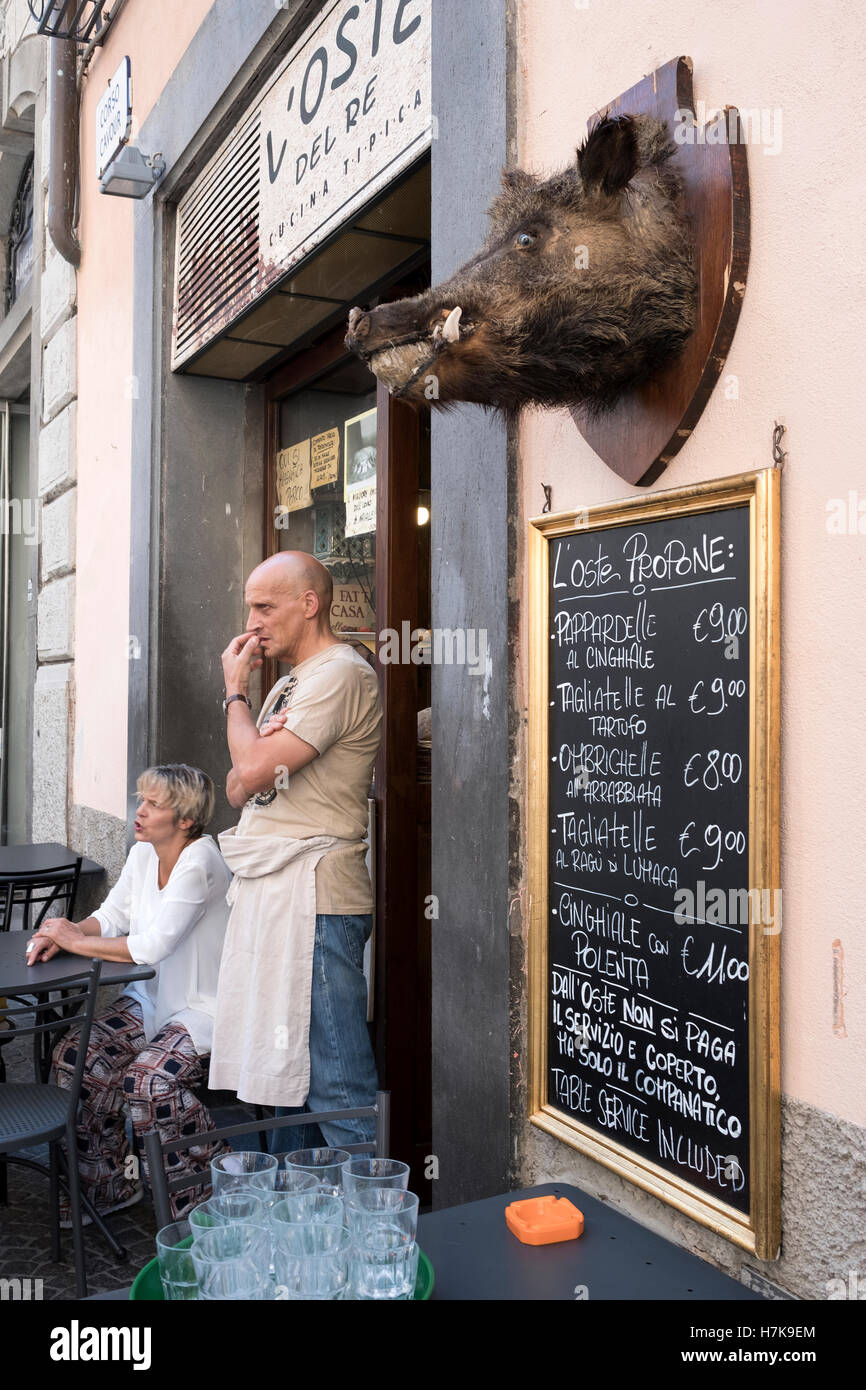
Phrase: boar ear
(517, 181)
(512, 202)
(609, 155)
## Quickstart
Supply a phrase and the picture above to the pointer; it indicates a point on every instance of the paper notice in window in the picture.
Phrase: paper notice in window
(293, 477)
(361, 508)
(325, 458)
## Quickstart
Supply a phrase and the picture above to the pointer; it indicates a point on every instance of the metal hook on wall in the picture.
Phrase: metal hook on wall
(547, 489)
(779, 454)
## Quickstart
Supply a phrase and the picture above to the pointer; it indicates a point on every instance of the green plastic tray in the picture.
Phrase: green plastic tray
(147, 1285)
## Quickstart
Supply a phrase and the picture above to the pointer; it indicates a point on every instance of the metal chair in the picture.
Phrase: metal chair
(7, 1035)
(161, 1187)
(30, 891)
(39, 890)
(34, 1113)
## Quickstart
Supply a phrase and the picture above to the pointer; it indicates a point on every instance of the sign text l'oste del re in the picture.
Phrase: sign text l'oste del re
(347, 113)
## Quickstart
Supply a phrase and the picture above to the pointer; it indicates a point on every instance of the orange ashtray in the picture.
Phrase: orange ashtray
(544, 1220)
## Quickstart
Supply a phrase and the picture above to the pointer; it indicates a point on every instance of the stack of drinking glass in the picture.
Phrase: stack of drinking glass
(313, 1224)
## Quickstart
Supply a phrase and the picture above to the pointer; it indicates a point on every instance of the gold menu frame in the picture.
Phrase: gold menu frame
(760, 1231)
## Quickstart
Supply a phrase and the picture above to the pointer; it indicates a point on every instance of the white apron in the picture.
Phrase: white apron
(261, 1036)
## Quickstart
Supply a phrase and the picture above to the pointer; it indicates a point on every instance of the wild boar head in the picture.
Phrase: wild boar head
(584, 287)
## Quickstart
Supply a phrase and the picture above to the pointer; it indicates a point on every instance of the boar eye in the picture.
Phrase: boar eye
(524, 240)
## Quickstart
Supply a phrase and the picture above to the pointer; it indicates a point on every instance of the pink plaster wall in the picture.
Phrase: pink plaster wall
(154, 35)
(797, 356)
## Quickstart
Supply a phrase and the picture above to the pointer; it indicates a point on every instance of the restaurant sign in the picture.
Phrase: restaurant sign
(349, 110)
(345, 114)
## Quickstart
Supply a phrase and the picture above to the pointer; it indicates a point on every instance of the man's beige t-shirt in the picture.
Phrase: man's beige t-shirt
(332, 702)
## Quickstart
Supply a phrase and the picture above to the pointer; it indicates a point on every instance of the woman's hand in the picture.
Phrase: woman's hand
(55, 934)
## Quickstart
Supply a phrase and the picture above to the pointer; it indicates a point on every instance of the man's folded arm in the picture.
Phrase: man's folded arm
(236, 792)
(258, 762)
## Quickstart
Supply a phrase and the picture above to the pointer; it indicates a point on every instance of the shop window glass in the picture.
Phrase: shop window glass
(325, 490)
(21, 238)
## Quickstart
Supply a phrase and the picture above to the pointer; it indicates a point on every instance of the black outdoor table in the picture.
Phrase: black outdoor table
(475, 1256)
(16, 860)
(17, 977)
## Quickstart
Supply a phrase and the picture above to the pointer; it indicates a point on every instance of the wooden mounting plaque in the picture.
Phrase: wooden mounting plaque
(640, 436)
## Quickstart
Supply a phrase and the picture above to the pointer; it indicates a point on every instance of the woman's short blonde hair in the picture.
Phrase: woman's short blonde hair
(187, 790)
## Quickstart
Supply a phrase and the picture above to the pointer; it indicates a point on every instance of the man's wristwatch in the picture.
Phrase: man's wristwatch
(229, 699)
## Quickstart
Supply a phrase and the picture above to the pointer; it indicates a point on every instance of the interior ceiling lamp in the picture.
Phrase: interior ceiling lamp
(132, 174)
(81, 20)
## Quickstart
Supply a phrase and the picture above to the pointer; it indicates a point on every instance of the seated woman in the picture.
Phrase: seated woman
(151, 1047)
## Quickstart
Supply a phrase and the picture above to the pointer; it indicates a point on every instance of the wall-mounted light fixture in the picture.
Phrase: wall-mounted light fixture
(132, 174)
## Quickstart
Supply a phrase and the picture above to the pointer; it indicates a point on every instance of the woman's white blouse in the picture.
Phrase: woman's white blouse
(180, 929)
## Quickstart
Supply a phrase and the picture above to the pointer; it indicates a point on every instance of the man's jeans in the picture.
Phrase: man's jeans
(342, 1067)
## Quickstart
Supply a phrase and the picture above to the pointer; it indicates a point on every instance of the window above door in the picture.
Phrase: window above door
(216, 265)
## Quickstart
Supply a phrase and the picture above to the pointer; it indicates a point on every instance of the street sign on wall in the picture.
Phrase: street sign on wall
(113, 117)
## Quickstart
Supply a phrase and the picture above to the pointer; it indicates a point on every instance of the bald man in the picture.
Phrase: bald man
(291, 1024)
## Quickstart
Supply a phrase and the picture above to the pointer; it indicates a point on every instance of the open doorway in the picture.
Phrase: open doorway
(347, 479)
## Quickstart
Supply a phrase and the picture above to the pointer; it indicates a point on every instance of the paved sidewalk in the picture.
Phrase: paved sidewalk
(25, 1239)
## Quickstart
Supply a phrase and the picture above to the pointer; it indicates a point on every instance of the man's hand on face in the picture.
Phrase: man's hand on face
(239, 659)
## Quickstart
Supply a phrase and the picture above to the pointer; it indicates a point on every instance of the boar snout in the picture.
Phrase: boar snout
(404, 338)
(359, 327)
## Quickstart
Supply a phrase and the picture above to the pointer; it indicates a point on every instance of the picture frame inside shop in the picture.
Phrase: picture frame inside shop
(654, 877)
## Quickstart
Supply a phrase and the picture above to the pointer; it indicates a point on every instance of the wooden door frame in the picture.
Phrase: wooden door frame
(398, 446)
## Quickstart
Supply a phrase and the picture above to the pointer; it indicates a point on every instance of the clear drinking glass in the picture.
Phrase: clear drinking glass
(383, 1222)
(176, 1268)
(232, 1171)
(363, 1172)
(306, 1209)
(245, 1206)
(326, 1166)
(286, 1182)
(382, 1267)
(311, 1261)
(231, 1262)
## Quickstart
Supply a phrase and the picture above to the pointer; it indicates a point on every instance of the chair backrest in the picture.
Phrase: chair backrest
(59, 1016)
(161, 1187)
(40, 890)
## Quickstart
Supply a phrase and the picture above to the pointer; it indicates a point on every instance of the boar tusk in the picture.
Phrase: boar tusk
(451, 327)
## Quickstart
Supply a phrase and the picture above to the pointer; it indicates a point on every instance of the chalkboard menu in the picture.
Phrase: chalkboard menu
(656, 909)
